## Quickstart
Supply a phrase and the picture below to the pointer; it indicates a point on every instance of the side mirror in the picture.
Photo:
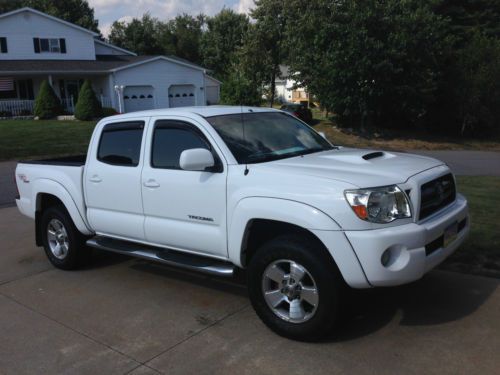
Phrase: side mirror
(322, 134)
(196, 159)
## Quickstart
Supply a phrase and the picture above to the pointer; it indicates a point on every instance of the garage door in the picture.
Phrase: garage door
(181, 96)
(138, 98)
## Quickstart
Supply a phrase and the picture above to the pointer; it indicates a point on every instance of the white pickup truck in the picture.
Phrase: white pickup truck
(213, 189)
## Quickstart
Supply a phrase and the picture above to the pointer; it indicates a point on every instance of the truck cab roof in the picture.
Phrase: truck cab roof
(203, 111)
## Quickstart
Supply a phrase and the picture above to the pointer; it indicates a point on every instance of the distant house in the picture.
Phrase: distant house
(35, 46)
(286, 89)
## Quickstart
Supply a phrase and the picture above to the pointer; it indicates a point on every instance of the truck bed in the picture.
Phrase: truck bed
(61, 177)
(70, 161)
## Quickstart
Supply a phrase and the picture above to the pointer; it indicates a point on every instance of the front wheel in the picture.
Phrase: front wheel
(295, 288)
(63, 243)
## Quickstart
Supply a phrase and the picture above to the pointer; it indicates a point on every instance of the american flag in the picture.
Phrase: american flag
(6, 84)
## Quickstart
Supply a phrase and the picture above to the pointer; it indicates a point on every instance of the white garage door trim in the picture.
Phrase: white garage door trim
(181, 96)
(138, 98)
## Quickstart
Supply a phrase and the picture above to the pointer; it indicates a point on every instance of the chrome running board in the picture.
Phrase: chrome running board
(164, 256)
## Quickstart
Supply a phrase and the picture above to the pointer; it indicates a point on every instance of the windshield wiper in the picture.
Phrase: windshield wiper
(265, 157)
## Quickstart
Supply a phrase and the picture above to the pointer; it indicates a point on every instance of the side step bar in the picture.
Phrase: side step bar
(165, 256)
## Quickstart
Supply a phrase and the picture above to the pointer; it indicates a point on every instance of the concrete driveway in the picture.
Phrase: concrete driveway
(129, 316)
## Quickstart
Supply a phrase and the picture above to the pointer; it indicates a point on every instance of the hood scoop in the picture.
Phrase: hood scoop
(373, 155)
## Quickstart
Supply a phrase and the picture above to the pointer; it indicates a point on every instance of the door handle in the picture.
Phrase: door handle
(151, 184)
(95, 178)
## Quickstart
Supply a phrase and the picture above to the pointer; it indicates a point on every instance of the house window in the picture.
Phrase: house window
(3, 45)
(16, 89)
(49, 45)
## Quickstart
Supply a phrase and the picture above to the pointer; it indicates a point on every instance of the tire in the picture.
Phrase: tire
(305, 321)
(64, 245)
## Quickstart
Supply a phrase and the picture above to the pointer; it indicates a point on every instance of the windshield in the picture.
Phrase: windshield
(265, 136)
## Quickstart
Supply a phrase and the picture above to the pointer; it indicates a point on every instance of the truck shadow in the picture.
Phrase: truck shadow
(440, 297)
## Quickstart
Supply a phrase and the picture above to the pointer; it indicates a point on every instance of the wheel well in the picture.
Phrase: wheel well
(43, 201)
(259, 231)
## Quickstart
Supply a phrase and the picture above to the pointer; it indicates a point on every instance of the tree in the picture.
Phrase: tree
(469, 100)
(369, 62)
(223, 37)
(87, 107)
(139, 35)
(469, 16)
(185, 33)
(47, 104)
(266, 41)
(78, 12)
(239, 90)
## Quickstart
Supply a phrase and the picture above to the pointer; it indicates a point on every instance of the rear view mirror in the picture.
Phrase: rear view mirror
(196, 159)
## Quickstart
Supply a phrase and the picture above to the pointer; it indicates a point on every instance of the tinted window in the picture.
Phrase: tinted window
(170, 139)
(120, 143)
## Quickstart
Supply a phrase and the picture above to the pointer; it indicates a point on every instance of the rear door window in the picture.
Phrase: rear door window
(120, 143)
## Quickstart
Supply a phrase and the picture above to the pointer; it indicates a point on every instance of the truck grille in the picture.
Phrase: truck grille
(436, 194)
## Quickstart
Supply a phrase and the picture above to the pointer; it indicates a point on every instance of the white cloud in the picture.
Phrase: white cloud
(106, 27)
(244, 6)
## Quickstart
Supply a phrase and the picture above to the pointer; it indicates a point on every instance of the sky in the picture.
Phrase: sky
(108, 11)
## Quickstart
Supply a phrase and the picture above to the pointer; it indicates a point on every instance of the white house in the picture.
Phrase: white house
(35, 46)
(286, 90)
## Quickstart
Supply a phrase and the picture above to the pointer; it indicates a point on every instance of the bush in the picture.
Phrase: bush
(108, 111)
(5, 114)
(47, 104)
(87, 106)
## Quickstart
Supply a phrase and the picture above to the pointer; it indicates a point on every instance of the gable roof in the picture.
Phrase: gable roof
(174, 59)
(109, 45)
(34, 11)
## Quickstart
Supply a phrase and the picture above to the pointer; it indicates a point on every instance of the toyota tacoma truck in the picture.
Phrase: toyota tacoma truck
(218, 188)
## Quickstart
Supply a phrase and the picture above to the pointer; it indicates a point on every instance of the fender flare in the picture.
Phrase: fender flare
(47, 186)
(277, 209)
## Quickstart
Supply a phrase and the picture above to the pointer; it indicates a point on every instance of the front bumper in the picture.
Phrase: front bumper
(407, 258)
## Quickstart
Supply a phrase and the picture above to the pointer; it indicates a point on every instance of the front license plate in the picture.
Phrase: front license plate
(450, 234)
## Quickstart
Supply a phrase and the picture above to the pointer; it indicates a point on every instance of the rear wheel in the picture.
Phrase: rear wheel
(63, 243)
(295, 288)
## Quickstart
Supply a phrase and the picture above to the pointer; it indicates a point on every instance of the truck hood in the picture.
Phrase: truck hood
(360, 167)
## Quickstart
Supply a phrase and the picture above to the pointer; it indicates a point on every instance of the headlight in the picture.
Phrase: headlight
(379, 205)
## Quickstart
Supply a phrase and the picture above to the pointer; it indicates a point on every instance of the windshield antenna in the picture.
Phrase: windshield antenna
(242, 123)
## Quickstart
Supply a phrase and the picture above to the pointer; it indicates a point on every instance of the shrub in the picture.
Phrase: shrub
(47, 104)
(87, 106)
(108, 111)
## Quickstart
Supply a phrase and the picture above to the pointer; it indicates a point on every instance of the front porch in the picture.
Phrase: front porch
(18, 93)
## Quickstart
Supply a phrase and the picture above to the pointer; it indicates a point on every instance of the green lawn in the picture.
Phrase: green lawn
(398, 139)
(21, 139)
(480, 254)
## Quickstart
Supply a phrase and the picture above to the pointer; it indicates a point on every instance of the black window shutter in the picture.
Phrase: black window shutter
(62, 44)
(3, 43)
(36, 44)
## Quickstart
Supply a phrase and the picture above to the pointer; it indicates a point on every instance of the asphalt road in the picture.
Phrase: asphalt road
(471, 163)
(123, 316)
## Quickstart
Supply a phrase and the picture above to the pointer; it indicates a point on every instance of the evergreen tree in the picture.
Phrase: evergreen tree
(47, 104)
(87, 107)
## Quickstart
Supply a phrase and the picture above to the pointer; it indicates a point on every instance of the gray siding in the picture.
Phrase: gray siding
(21, 28)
